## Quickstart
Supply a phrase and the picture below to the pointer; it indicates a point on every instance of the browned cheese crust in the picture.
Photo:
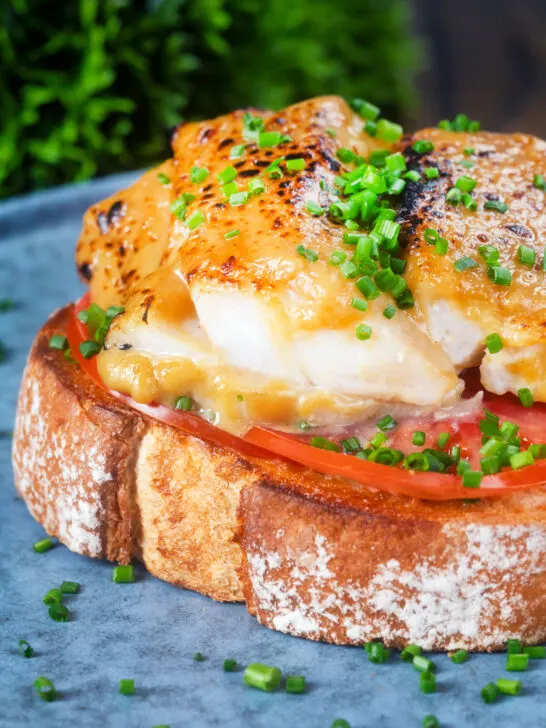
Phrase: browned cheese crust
(312, 555)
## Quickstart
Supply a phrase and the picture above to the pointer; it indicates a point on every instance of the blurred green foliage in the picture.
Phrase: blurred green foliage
(89, 86)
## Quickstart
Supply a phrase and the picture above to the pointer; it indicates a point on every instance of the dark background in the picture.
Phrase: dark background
(88, 87)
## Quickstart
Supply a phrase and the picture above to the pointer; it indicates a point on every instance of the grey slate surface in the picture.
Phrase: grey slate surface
(149, 630)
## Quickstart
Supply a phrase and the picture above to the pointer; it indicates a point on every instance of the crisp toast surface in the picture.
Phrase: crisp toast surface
(312, 555)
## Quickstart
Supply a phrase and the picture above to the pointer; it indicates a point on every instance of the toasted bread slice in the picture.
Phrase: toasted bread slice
(312, 555)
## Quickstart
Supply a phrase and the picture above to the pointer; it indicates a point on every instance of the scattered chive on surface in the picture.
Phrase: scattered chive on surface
(493, 343)
(70, 587)
(517, 663)
(314, 208)
(363, 332)
(89, 349)
(409, 652)
(490, 693)
(230, 665)
(427, 682)
(127, 687)
(311, 255)
(263, 677)
(163, 178)
(495, 205)
(499, 275)
(6, 304)
(509, 687)
(231, 234)
(535, 652)
(464, 263)
(527, 256)
(25, 649)
(59, 613)
(198, 174)
(196, 219)
(431, 721)
(423, 664)
(53, 596)
(44, 545)
(340, 723)
(525, 397)
(295, 684)
(295, 165)
(431, 172)
(199, 657)
(123, 574)
(45, 689)
(459, 657)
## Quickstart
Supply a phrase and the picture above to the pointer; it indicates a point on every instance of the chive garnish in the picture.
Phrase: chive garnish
(431, 721)
(184, 403)
(525, 397)
(232, 234)
(57, 341)
(263, 677)
(427, 682)
(70, 587)
(230, 665)
(509, 687)
(54, 596)
(59, 613)
(198, 174)
(310, 255)
(459, 657)
(314, 208)
(45, 689)
(490, 693)
(127, 687)
(123, 574)
(363, 332)
(295, 684)
(526, 256)
(517, 663)
(495, 205)
(163, 178)
(431, 172)
(198, 657)
(25, 649)
(493, 343)
(44, 545)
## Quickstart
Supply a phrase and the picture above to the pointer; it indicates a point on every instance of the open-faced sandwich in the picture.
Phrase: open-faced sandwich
(307, 374)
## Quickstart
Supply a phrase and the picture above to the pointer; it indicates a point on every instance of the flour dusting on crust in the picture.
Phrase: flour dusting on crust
(452, 600)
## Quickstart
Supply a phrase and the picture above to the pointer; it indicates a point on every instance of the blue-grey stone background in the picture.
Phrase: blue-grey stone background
(149, 630)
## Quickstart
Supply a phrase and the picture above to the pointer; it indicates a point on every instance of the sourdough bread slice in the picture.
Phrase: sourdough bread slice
(312, 555)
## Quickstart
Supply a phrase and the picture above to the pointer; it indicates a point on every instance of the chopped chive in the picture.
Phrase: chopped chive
(351, 445)
(454, 196)
(412, 176)
(490, 693)
(388, 131)
(536, 652)
(525, 397)
(467, 164)
(227, 175)
(431, 172)
(442, 440)
(323, 443)
(229, 189)
(238, 198)
(459, 657)
(6, 304)
(184, 403)
(237, 151)
(465, 184)
(314, 208)
(521, 460)
(539, 181)
(127, 687)
(196, 219)
(58, 342)
(526, 255)
(418, 438)
(441, 246)
(198, 174)
(347, 156)
(427, 682)
(472, 478)
(378, 439)
(199, 657)
(44, 545)
(499, 275)
(491, 465)
(123, 574)
(163, 178)
(363, 332)
(337, 257)
(304, 426)
(331, 132)
(295, 684)
(514, 647)
(409, 652)
(54, 596)
(389, 311)
(295, 165)
(423, 664)
(493, 343)
(431, 721)
(89, 349)
(395, 163)
(311, 255)
(422, 146)
(45, 689)
(59, 613)
(387, 423)
(263, 677)
(340, 723)
(230, 665)
(509, 687)
(25, 649)
(365, 109)
(464, 263)
(232, 234)
(469, 202)
(256, 187)
(538, 451)
(377, 653)
(495, 205)
(269, 139)
(490, 254)
(70, 587)
(517, 663)
(349, 269)
(368, 288)
(360, 304)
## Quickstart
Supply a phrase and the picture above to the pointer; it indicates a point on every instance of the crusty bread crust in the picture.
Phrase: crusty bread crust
(312, 555)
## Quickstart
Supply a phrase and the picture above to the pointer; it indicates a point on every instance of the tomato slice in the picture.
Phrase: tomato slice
(264, 443)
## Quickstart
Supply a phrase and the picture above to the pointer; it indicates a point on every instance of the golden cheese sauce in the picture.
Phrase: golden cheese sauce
(504, 169)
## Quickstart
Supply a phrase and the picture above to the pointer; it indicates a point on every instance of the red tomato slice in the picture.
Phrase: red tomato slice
(263, 443)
